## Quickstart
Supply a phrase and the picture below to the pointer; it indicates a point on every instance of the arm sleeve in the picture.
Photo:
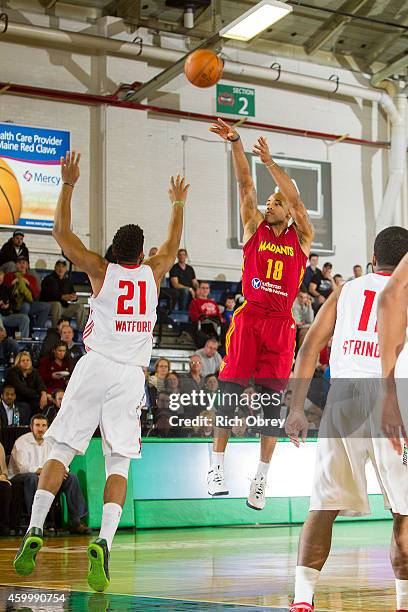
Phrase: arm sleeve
(174, 272)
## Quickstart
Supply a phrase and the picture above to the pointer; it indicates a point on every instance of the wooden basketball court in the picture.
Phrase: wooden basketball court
(205, 569)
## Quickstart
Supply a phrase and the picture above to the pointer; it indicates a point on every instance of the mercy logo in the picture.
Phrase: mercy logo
(27, 175)
(256, 283)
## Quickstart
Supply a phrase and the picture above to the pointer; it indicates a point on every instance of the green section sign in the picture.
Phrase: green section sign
(232, 100)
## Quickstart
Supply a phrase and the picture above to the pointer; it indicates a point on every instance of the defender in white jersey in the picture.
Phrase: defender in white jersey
(350, 431)
(107, 385)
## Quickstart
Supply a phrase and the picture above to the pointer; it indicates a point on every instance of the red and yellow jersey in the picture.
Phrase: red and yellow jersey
(273, 268)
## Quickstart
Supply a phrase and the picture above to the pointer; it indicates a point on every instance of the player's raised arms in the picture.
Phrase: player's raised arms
(73, 248)
(250, 215)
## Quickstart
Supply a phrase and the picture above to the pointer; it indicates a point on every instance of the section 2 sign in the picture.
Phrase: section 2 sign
(233, 100)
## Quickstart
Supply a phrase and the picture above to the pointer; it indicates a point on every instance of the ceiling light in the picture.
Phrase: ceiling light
(256, 20)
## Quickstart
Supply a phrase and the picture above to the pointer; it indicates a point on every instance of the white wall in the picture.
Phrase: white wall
(142, 151)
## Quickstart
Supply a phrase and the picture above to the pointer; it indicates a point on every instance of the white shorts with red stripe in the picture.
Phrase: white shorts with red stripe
(103, 393)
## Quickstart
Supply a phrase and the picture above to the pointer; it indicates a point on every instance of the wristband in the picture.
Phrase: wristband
(70, 184)
(180, 202)
(271, 164)
(235, 139)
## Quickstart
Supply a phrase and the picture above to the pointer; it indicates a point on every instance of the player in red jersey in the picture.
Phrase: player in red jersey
(260, 342)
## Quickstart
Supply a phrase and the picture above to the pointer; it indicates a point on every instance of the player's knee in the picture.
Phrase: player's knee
(62, 453)
(401, 534)
(271, 423)
(229, 400)
(117, 465)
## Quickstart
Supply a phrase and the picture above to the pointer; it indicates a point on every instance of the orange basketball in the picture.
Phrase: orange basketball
(10, 195)
(203, 68)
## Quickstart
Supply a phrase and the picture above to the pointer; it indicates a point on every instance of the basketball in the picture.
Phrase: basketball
(203, 68)
(10, 195)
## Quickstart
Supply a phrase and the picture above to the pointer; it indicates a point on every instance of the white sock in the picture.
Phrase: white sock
(217, 460)
(402, 594)
(305, 584)
(262, 470)
(41, 506)
(110, 520)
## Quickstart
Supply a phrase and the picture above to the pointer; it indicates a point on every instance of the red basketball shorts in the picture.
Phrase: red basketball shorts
(260, 345)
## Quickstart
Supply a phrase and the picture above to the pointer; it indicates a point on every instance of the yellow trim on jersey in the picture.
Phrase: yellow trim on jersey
(232, 327)
(302, 273)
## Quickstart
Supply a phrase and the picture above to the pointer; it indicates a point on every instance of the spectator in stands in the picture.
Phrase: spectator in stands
(21, 321)
(211, 383)
(25, 379)
(229, 309)
(30, 452)
(8, 347)
(183, 278)
(161, 368)
(5, 495)
(75, 351)
(162, 414)
(10, 412)
(56, 370)
(321, 286)
(12, 249)
(193, 381)
(303, 314)
(57, 289)
(203, 308)
(210, 357)
(338, 280)
(211, 388)
(357, 272)
(311, 269)
(25, 292)
(56, 400)
(172, 382)
(53, 336)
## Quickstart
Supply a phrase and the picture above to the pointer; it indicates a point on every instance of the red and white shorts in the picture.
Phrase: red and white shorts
(104, 393)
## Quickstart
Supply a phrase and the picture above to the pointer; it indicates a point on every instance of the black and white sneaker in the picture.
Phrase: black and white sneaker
(216, 482)
(256, 498)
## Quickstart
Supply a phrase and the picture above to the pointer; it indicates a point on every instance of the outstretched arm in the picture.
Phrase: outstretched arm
(297, 209)
(91, 263)
(316, 339)
(250, 215)
(392, 326)
(165, 256)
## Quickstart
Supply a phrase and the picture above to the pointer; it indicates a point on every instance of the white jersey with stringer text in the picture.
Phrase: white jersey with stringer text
(123, 315)
(355, 351)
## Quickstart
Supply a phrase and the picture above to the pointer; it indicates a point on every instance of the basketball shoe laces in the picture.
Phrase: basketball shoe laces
(218, 476)
(260, 489)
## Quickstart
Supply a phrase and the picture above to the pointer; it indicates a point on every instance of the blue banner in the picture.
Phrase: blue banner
(30, 176)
